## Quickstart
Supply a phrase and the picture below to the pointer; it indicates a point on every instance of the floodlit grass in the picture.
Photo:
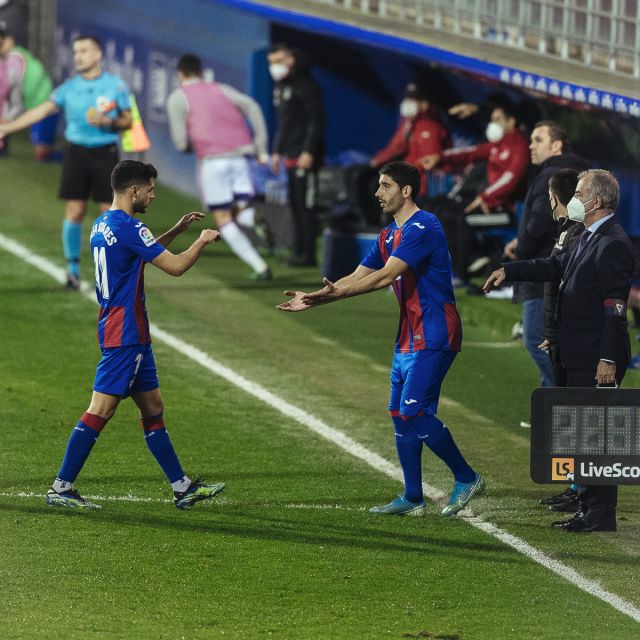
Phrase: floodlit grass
(288, 550)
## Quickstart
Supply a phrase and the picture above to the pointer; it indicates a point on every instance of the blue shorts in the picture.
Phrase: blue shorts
(126, 370)
(416, 379)
(44, 132)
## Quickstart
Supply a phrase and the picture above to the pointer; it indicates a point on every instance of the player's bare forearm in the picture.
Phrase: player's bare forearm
(362, 280)
(349, 286)
(371, 282)
(358, 274)
(177, 264)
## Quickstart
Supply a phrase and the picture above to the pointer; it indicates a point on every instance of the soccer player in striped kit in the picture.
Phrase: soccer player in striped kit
(411, 255)
(121, 246)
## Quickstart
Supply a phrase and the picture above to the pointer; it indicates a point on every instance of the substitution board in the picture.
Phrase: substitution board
(585, 435)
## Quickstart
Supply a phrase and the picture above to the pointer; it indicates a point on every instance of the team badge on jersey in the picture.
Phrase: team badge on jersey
(146, 236)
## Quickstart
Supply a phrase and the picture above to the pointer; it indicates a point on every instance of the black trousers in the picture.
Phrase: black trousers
(559, 372)
(462, 237)
(598, 503)
(302, 201)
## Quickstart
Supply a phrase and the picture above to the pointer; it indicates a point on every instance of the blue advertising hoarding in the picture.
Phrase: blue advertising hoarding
(142, 46)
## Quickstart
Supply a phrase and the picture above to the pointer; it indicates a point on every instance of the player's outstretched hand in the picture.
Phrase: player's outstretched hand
(188, 218)
(328, 293)
(296, 303)
(210, 235)
(494, 280)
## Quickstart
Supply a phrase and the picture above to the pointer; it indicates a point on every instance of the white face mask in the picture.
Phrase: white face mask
(408, 108)
(278, 71)
(576, 210)
(494, 132)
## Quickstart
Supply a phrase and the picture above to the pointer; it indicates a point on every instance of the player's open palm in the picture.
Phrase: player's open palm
(296, 303)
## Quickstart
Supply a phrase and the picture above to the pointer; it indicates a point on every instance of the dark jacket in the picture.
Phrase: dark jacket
(568, 232)
(298, 100)
(592, 296)
(537, 230)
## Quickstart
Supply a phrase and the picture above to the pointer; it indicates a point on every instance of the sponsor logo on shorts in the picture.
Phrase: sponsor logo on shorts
(410, 401)
(146, 236)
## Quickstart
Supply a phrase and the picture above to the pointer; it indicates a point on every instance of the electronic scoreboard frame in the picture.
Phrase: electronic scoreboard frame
(585, 435)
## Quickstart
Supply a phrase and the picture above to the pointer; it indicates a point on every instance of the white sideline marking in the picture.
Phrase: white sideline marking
(343, 441)
(131, 498)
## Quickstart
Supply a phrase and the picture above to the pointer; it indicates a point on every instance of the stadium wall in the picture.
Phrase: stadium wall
(362, 81)
(142, 44)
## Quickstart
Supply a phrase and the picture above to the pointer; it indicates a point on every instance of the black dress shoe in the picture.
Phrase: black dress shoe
(560, 524)
(560, 498)
(567, 506)
(584, 525)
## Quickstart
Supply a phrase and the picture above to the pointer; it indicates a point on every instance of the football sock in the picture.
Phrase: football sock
(160, 446)
(409, 448)
(81, 441)
(247, 217)
(242, 247)
(62, 485)
(181, 485)
(439, 439)
(71, 244)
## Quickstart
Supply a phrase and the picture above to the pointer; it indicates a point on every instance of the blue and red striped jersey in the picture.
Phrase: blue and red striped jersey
(121, 245)
(428, 315)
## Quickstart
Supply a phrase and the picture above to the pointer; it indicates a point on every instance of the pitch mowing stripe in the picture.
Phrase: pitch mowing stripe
(340, 439)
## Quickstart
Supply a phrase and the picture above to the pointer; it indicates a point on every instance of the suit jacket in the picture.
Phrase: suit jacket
(592, 297)
(568, 233)
(537, 230)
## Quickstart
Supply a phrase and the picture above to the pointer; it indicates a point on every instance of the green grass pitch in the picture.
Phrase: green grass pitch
(288, 550)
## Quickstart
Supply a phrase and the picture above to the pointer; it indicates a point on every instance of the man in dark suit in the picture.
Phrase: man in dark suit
(537, 233)
(593, 336)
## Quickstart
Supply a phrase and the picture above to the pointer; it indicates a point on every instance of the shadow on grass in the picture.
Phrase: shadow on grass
(244, 524)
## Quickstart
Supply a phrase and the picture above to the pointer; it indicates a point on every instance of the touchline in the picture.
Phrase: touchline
(616, 470)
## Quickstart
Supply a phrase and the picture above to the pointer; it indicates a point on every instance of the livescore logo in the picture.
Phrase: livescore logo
(562, 469)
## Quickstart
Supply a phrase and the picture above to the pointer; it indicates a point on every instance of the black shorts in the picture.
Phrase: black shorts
(86, 172)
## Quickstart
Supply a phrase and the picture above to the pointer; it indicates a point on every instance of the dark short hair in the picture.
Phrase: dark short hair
(131, 172)
(93, 39)
(504, 102)
(405, 174)
(417, 92)
(190, 65)
(556, 132)
(563, 184)
(276, 47)
(509, 110)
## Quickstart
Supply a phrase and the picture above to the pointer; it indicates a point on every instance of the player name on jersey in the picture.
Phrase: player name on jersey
(103, 228)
